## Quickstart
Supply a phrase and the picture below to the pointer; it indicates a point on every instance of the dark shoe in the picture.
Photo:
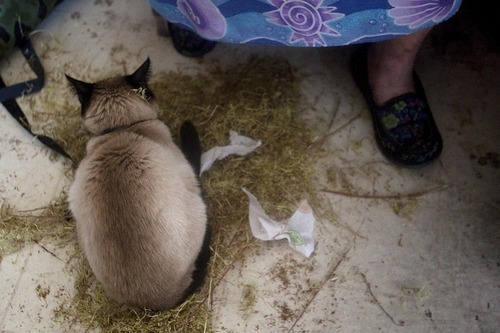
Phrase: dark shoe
(405, 130)
(188, 43)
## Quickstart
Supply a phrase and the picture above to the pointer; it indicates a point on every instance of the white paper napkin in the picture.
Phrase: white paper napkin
(297, 230)
(239, 145)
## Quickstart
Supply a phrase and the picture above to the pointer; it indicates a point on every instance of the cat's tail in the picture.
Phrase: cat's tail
(190, 146)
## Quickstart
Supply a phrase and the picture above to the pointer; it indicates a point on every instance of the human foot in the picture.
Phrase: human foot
(390, 65)
(389, 73)
(188, 43)
(405, 130)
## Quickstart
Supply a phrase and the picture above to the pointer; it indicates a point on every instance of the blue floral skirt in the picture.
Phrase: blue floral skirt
(304, 22)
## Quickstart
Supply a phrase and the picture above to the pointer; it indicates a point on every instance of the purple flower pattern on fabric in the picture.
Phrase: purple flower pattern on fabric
(205, 17)
(305, 23)
(306, 18)
(415, 13)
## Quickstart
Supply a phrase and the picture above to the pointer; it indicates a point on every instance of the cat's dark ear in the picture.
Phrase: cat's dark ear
(83, 90)
(140, 77)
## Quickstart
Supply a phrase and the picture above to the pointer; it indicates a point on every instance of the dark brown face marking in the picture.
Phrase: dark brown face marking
(136, 80)
(139, 78)
(83, 90)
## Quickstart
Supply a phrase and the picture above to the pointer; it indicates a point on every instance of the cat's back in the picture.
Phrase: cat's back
(124, 159)
(115, 157)
(130, 194)
(128, 167)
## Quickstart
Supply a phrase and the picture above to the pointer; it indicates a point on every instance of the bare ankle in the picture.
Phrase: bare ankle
(390, 71)
(390, 66)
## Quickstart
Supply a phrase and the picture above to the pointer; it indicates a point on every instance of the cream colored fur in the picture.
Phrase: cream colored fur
(136, 200)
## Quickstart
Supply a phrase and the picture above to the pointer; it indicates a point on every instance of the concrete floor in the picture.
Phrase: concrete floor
(417, 251)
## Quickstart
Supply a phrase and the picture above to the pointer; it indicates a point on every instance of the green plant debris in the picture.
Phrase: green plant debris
(248, 299)
(19, 228)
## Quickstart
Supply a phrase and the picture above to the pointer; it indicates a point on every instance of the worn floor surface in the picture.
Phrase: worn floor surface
(409, 250)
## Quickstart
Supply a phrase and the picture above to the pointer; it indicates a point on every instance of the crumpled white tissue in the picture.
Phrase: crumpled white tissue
(239, 145)
(298, 229)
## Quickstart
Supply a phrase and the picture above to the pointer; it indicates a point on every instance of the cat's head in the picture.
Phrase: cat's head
(115, 102)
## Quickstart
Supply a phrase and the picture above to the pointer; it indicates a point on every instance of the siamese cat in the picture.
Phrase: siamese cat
(136, 198)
